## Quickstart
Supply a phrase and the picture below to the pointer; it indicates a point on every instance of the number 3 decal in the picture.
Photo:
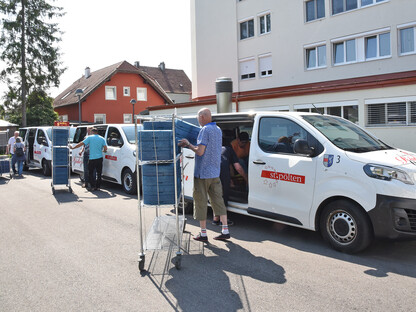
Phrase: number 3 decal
(338, 159)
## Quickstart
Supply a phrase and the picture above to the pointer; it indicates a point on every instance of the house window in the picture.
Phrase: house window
(339, 6)
(247, 29)
(314, 9)
(407, 40)
(377, 46)
(141, 94)
(99, 118)
(316, 57)
(345, 110)
(265, 24)
(110, 93)
(265, 65)
(345, 52)
(391, 114)
(63, 118)
(126, 91)
(127, 118)
(247, 69)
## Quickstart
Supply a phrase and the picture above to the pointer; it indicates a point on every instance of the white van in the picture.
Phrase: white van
(38, 143)
(119, 163)
(334, 177)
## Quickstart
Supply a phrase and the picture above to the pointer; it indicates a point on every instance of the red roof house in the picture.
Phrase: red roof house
(107, 93)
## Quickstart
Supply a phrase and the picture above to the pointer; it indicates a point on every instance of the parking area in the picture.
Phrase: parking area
(78, 252)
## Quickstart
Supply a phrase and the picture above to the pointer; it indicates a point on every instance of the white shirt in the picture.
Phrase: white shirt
(11, 142)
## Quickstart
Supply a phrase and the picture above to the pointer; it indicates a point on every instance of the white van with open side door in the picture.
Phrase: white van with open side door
(331, 176)
(119, 162)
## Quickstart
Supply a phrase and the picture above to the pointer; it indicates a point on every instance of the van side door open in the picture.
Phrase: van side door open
(281, 182)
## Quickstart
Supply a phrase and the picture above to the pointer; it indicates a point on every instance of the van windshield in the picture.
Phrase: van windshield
(129, 132)
(344, 134)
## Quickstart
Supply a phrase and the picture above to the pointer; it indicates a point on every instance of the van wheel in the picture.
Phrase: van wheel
(128, 181)
(46, 168)
(346, 226)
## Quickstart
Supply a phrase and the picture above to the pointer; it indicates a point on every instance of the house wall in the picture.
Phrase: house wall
(96, 102)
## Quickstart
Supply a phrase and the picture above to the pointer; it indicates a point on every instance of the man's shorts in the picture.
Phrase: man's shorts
(204, 188)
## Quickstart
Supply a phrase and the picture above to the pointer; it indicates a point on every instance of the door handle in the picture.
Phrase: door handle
(258, 162)
(190, 157)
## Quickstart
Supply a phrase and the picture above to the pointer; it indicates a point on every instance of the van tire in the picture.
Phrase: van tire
(346, 226)
(129, 182)
(46, 168)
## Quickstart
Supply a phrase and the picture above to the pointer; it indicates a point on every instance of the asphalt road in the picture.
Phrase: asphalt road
(78, 252)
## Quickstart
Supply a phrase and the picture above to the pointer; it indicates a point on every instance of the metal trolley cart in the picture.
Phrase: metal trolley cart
(60, 158)
(159, 159)
(5, 166)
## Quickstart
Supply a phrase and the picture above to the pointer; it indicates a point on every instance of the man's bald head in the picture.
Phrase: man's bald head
(204, 116)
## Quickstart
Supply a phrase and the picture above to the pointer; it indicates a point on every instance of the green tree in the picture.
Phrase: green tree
(28, 46)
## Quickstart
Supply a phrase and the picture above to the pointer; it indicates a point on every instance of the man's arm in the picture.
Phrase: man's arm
(76, 146)
(199, 149)
(241, 171)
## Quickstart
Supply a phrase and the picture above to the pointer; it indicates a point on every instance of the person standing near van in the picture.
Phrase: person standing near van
(206, 175)
(96, 145)
(10, 150)
(19, 153)
(86, 150)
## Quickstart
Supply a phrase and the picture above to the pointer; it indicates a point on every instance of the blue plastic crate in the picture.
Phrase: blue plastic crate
(60, 175)
(156, 145)
(4, 166)
(60, 156)
(183, 129)
(158, 183)
(60, 136)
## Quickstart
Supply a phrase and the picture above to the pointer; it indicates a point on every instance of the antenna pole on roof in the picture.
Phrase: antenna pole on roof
(316, 109)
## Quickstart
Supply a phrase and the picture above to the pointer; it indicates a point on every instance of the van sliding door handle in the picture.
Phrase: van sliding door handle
(190, 157)
(259, 162)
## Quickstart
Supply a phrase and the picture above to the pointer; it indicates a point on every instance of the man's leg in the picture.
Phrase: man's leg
(217, 203)
(86, 171)
(14, 163)
(91, 167)
(99, 169)
(200, 207)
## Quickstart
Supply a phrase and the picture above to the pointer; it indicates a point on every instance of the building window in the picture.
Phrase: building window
(339, 6)
(126, 91)
(345, 52)
(316, 57)
(141, 94)
(407, 40)
(127, 118)
(265, 65)
(247, 29)
(110, 93)
(377, 46)
(63, 118)
(265, 24)
(99, 118)
(391, 114)
(247, 69)
(349, 112)
(314, 9)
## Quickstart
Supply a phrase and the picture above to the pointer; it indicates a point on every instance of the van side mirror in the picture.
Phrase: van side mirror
(302, 147)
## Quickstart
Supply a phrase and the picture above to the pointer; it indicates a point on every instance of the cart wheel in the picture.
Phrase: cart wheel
(178, 261)
(70, 189)
(53, 191)
(141, 263)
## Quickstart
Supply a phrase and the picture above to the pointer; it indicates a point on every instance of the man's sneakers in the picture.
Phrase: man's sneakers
(223, 236)
(200, 238)
(218, 222)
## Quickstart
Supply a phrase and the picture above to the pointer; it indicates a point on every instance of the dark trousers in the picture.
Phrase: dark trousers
(97, 165)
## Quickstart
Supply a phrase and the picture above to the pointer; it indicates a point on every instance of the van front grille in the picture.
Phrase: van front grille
(411, 214)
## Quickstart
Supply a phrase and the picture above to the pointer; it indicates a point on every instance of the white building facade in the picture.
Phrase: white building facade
(351, 58)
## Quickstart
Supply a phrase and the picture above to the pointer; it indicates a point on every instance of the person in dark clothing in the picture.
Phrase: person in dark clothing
(228, 158)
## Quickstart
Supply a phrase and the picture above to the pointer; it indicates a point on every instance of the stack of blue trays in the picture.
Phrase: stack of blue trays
(60, 136)
(156, 145)
(4, 166)
(183, 129)
(60, 175)
(60, 156)
(159, 183)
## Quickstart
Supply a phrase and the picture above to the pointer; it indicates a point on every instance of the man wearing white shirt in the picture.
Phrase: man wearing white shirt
(10, 150)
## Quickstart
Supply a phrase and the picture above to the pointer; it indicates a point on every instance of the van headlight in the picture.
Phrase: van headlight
(387, 173)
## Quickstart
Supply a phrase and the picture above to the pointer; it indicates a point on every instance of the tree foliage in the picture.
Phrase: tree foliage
(39, 110)
(28, 45)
